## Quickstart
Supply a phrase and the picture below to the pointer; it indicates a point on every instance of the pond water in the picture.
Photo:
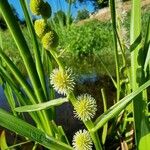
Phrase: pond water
(3, 101)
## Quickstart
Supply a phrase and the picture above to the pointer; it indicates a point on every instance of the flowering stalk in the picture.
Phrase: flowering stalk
(85, 106)
(89, 124)
(62, 79)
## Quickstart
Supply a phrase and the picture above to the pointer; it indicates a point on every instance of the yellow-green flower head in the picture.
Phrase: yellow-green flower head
(82, 140)
(46, 10)
(62, 81)
(50, 40)
(41, 27)
(35, 6)
(85, 108)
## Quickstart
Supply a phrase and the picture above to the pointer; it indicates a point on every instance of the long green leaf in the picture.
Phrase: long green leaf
(18, 75)
(10, 97)
(36, 50)
(24, 129)
(140, 109)
(147, 59)
(3, 143)
(41, 106)
(20, 41)
(105, 127)
(118, 107)
(19, 94)
(113, 17)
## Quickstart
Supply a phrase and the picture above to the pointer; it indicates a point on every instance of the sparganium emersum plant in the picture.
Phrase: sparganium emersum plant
(35, 98)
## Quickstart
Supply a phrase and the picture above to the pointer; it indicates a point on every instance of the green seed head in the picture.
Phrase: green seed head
(82, 140)
(46, 10)
(41, 28)
(85, 108)
(50, 40)
(35, 6)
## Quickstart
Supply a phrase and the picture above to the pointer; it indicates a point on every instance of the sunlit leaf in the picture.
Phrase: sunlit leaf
(32, 133)
(41, 106)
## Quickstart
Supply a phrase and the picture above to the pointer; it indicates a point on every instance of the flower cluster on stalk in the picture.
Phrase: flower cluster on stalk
(62, 80)
(85, 107)
(49, 37)
(82, 140)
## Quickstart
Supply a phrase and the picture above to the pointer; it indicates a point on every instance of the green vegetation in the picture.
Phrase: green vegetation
(63, 50)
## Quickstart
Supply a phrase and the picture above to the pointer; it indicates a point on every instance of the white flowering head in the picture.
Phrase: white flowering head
(82, 140)
(62, 81)
(85, 108)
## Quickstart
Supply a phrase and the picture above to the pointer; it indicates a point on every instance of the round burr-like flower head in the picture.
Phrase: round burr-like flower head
(85, 108)
(62, 81)
(46, 10)
(50, 40)
(41, 27)
(35, 6)
(82, 140)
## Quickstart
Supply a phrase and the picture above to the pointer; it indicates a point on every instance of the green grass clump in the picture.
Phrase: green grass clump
(86, 39)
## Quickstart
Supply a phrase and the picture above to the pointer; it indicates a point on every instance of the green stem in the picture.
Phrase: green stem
(54, 54)
(89, 124)
(16, 145)
(140, 110)
(16, 32)
(22, 47)
(22, 99)
(113, 16)
(38, 63)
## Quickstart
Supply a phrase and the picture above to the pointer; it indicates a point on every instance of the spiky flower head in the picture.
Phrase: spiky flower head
(85, 108)
(41, 27)
(62, 81)
(35, 6)
(82, 140)
(50, 40)
(46, 10)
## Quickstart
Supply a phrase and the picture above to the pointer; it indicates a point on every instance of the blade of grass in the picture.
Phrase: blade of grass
(113, 16)
(24, 129)
(118, 107)
(140, 109)
(16, 32)
(147, 59)
(19, 94)
(37, 57)
(16, 145)
(13, 26)
(105, 128)
(41, 106)
(147, 47)
(10, 97)
(25, 86)
(19, 77)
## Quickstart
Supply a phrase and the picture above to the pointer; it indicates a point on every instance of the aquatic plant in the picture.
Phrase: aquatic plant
(36, 97)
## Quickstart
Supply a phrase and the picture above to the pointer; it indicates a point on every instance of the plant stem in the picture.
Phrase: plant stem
(89, 124)
(140, 110)
(38, 63)
(113, 16)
